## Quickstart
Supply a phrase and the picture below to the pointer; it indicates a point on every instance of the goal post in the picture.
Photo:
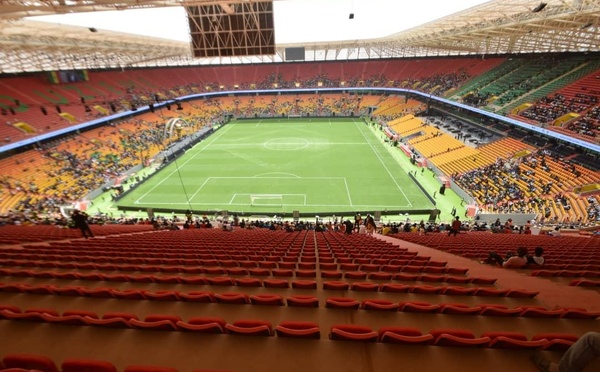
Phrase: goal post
(266, 200)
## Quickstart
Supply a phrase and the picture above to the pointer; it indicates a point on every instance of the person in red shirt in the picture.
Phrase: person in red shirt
(455, 227)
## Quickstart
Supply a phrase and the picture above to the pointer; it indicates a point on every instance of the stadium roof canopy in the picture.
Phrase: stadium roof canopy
(495, 27)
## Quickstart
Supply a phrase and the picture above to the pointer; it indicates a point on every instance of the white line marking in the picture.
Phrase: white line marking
(382, 163)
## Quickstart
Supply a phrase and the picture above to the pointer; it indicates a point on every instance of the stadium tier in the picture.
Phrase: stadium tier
(260, 152)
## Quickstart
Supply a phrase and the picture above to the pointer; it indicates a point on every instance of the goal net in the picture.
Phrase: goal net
(270, 200)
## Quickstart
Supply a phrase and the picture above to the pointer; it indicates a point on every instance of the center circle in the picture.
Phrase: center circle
(287, 144)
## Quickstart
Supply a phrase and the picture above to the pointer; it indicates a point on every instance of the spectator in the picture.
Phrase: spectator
(80, 220)
(537, 258)
(576, 359)
(455, 228)
(510, 261)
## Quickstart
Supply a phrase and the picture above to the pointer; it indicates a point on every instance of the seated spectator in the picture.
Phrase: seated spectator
(555, 232)
(579, 356)
(537, 258)
(510, 261)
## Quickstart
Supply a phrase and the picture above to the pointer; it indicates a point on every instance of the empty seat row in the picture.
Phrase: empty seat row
(584, 283)
(567, 273)
(296, 329)
(39, 363)
(163, 322)
(232, 267)
(49, 289)
(452, 337)
(460, 309)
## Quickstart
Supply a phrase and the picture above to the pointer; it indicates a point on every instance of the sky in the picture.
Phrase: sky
(296, 21)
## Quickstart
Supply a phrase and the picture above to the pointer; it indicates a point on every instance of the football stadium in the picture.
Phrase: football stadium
(299, 185)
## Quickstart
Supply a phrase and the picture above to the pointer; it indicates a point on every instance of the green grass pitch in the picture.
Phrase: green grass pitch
(282, 165)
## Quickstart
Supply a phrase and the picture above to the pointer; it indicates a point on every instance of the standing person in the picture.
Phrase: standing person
(80, 220)
(455, 227)
(349, 227)
(370, 222)
(357, 221)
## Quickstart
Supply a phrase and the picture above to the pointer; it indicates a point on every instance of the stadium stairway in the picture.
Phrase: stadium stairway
(351, 334)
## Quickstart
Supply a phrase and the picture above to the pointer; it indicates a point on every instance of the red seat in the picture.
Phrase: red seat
(203, 325)
(391, 268)
(129, 294)
(349, 266)
(297, 329)
(521, 293)
(380, 275)
(157, 322)
(72, 317)
(418, 307)
(328, 266)
(426, 289)
(355, 275)
(282, 272)
(512, 340)
(87, 365)
(165, 279)
(431, 278)
(364, 286)
(369, 267)
(412, 269)
(304, 284)
(221, 280)
(331, 274)
(352, 332)
(137, 368)
(498, 310)
(303, 301)
(196, 296)
(259, 272)
(556, 341)
(336, 285)
(460, 291)
(31, 315)
(162, 295)
(459, 309)
(250, 328)
(214, 271)
(382, 305)
(491, 292)
(231, 298)
(236, 271)
(458, 279)
(306, 273)
(39, 289)
(266, 299)
(29, 362)
(404, 335)
(540, 312)
(397, 288)
(403, 277)
(100, 292)
(483, 280)
(576, 313)
(276, 283)
(248, 282)
(342, 303)
(457, 337)
(113, 320)
(199, 280)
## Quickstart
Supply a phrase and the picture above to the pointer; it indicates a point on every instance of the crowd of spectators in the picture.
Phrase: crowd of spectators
(550, 108)
(588, 124)
(511, 186)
